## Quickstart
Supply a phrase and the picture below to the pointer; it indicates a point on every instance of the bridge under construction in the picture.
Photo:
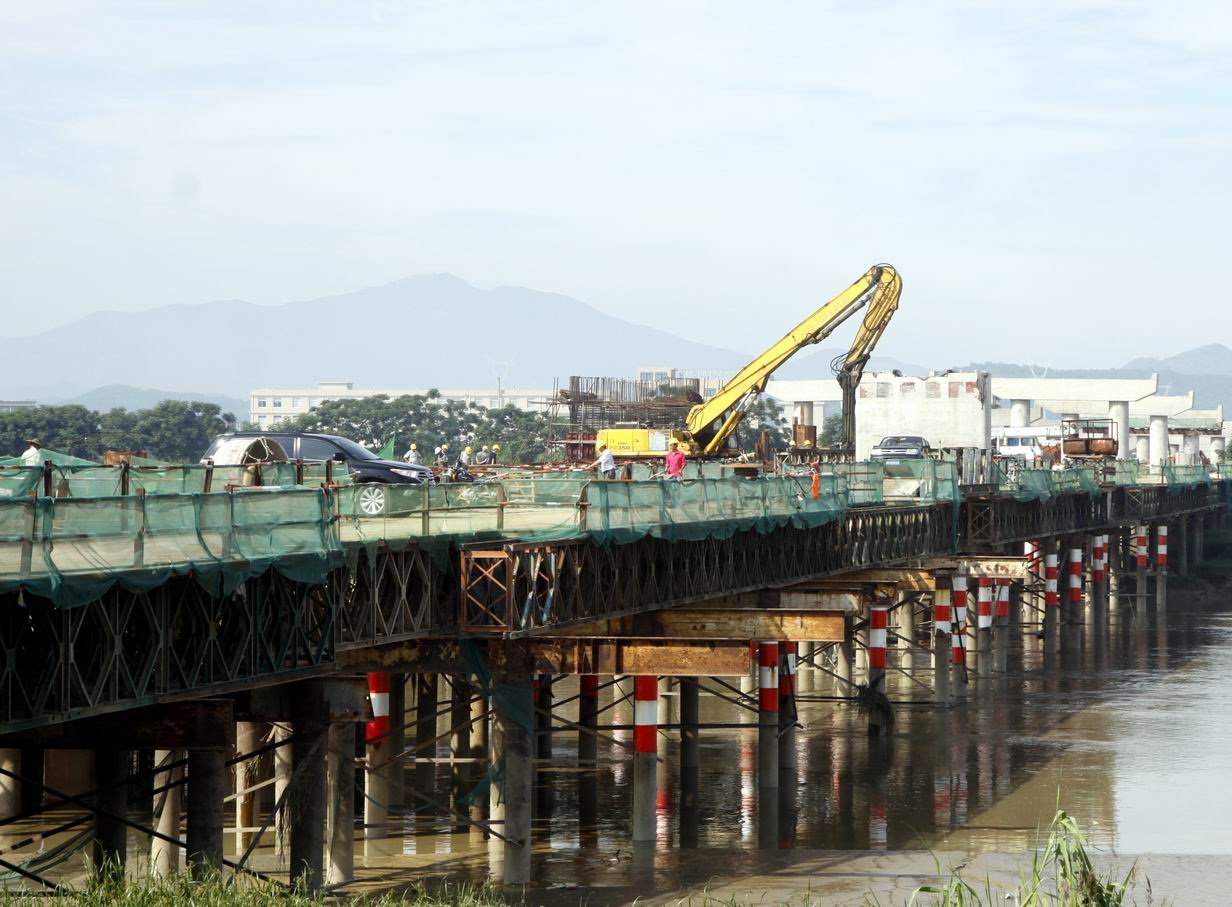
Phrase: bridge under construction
(166, 630)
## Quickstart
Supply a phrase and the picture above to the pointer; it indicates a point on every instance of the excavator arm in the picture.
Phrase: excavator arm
(849, 369)
(710, 424)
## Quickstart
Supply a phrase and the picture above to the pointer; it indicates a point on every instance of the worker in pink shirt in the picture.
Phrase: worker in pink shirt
(675, 462)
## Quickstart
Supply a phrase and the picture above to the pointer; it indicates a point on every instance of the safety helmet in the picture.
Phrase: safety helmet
(602, 446)
(413, 447)
(444, 447)
(496, 447)
(468, 450)
(485, 447)
(436, 450)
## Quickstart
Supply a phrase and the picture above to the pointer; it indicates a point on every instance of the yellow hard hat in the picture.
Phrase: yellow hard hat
(413, 447)
(444, 447)
(485, 447)
(468, 450)
(602, 446)
(496, 447)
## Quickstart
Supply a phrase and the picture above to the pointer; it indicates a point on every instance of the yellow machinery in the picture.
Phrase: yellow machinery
(711, 424)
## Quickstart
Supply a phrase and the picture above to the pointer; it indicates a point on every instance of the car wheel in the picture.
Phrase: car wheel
(372, 499)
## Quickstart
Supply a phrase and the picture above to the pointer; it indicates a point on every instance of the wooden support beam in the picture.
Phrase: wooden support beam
(681, 658)
(201, 724)
(823, 622)
(345, 697)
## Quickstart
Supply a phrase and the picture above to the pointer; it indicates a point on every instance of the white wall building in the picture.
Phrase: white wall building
(953, 409)
(269, 406)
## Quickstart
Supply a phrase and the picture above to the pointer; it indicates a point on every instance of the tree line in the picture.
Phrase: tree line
(178, 431)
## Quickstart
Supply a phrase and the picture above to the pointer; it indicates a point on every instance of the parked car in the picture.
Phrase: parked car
(900, 447)
(366, 468)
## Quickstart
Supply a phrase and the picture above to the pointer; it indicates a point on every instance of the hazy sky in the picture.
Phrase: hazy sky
(1050, 177)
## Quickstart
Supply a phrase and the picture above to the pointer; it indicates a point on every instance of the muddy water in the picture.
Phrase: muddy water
(1132, 734)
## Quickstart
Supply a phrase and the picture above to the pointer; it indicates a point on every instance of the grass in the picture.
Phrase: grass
(241, 891)
(1060, 875)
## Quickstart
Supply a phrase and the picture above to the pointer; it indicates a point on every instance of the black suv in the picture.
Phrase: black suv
(366, 467)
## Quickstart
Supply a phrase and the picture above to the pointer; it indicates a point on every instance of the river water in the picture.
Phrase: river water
(1132, 735)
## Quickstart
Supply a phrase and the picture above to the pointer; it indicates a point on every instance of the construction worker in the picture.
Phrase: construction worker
(32, 456)
(438, 457)
(484, 457)
(675, 462)
(606, 464)
(411, 455)
(465, 457)
(495, 455)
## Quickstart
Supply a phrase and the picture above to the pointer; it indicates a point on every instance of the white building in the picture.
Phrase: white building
(952, 409)
(269, 406)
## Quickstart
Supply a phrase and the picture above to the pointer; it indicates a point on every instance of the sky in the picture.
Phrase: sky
(1049, 178)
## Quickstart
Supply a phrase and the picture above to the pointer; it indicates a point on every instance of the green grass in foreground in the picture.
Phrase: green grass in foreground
(240, 891)
(1060, 875)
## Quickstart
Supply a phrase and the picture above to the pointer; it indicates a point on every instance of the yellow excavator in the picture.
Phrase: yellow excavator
(711, 424)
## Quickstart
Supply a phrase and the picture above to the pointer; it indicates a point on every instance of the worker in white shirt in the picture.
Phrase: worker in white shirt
(606, 463)
(412, 455)
(33, 455)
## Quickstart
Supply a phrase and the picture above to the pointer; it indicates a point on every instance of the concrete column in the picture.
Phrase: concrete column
(10, 787)
(1159, 440)
(110, 832)
(1072, 618)
(308, 748)
(906, 630)
(459, 742)
(479, 752)
(512, 738)
(1197, 541)
(207, 788)
(282, 780)
(1161, 566)
(426, 699)
(768, 714)
(33, 767)
(1099, 582)
(378, 752)
(787, 708)
(1001, 627)
(942, 654)
(1118, 412)
(1020, 413)
(645, 756)
(804, 412)
(983, 629)
(588, 720)
(165, 856)
(340, 818)
(1179, 545)
(1142, 448)
(248, 737)
(1190, 446)
(845, 666)
(1141, 561)
(1052, 602)
(1217, 448)
(958, 636)
(395, 778)
(543, 717)
(689, 722)
(806, 674)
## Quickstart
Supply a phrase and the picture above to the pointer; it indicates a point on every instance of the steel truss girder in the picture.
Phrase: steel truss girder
(523, 588)
(131, 648)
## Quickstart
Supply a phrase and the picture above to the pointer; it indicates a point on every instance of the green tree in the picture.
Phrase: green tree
(766, 414)
(429, 420)
(69, 429)
(831, 430)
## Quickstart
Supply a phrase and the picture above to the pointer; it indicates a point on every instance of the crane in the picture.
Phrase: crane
(710, 424)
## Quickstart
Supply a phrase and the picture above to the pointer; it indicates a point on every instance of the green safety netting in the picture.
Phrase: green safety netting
(71, 550)
(1046, 484)
(701, 508)
(1179, 478)
(1123, 472)
(866, 482)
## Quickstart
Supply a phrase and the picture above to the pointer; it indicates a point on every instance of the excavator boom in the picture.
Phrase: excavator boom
(711, 423)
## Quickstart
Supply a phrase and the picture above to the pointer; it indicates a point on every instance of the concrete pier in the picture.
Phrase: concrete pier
(1052, 606)
(207, 786)
(1001, 627)
(982, 651)
(248, 738)
(308, 748)
(787, 708)
(645, 757)
(768, 714)
(282, 780)
(942, 653)
(110, 832)
(512, 740)
(588, 719)
(427, 696)
(340, 814)
(958, 636)
(165, 856)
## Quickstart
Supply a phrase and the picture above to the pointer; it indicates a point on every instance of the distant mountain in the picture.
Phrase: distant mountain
(433, 330)
(107, 398)
(428, 331)
(1212, 359)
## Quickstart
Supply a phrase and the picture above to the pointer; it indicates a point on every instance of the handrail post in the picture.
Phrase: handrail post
(501, 500)
(426, 509)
